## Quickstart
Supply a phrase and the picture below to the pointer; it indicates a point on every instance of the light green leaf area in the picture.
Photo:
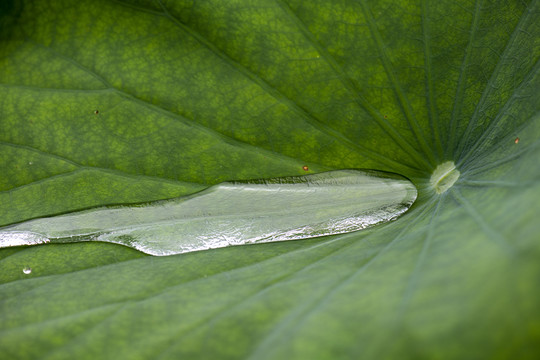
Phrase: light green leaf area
(119, 102)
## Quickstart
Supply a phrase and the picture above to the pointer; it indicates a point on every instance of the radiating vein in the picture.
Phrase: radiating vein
(509, 138)
(494, 124)
(398, 89)
(430, 86)
(280, 97)
(72, 316)
(483, 167)
(490, 84)
(115, 309)
(42, 180)
(173, 287)
(277, 281)
(234, 141)
(351, 87)
(493, 235)
(303, 311)
(117, 172)
(462, 80)
(497, 183)
(412, 284)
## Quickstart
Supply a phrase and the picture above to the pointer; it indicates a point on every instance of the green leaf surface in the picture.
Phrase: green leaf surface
(116, 102)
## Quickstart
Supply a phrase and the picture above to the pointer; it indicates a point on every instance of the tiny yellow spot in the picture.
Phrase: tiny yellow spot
(305, 167)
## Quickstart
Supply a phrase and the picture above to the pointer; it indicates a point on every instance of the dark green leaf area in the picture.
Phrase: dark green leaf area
(125, 102)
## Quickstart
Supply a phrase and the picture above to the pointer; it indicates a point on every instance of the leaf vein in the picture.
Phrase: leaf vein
(491, 82)
(352, 88)
(460, 89)
(405, 106)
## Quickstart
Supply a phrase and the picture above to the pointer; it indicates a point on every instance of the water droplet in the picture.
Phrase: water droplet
(516, 141)
(18, 238)
(305, 167)
(27, 270)
(30, 163)
(234, 213)
(444, 176)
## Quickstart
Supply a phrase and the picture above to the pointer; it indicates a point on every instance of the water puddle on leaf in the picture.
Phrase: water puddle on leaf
(233, 213)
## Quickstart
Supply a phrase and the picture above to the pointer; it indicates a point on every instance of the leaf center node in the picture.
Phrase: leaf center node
(444, 176)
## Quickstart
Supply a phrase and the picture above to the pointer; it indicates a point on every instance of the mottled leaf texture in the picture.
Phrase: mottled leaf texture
(107, 103)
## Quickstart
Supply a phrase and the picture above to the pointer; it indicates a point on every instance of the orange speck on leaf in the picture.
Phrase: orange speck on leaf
(516, 141)
(305, 168)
